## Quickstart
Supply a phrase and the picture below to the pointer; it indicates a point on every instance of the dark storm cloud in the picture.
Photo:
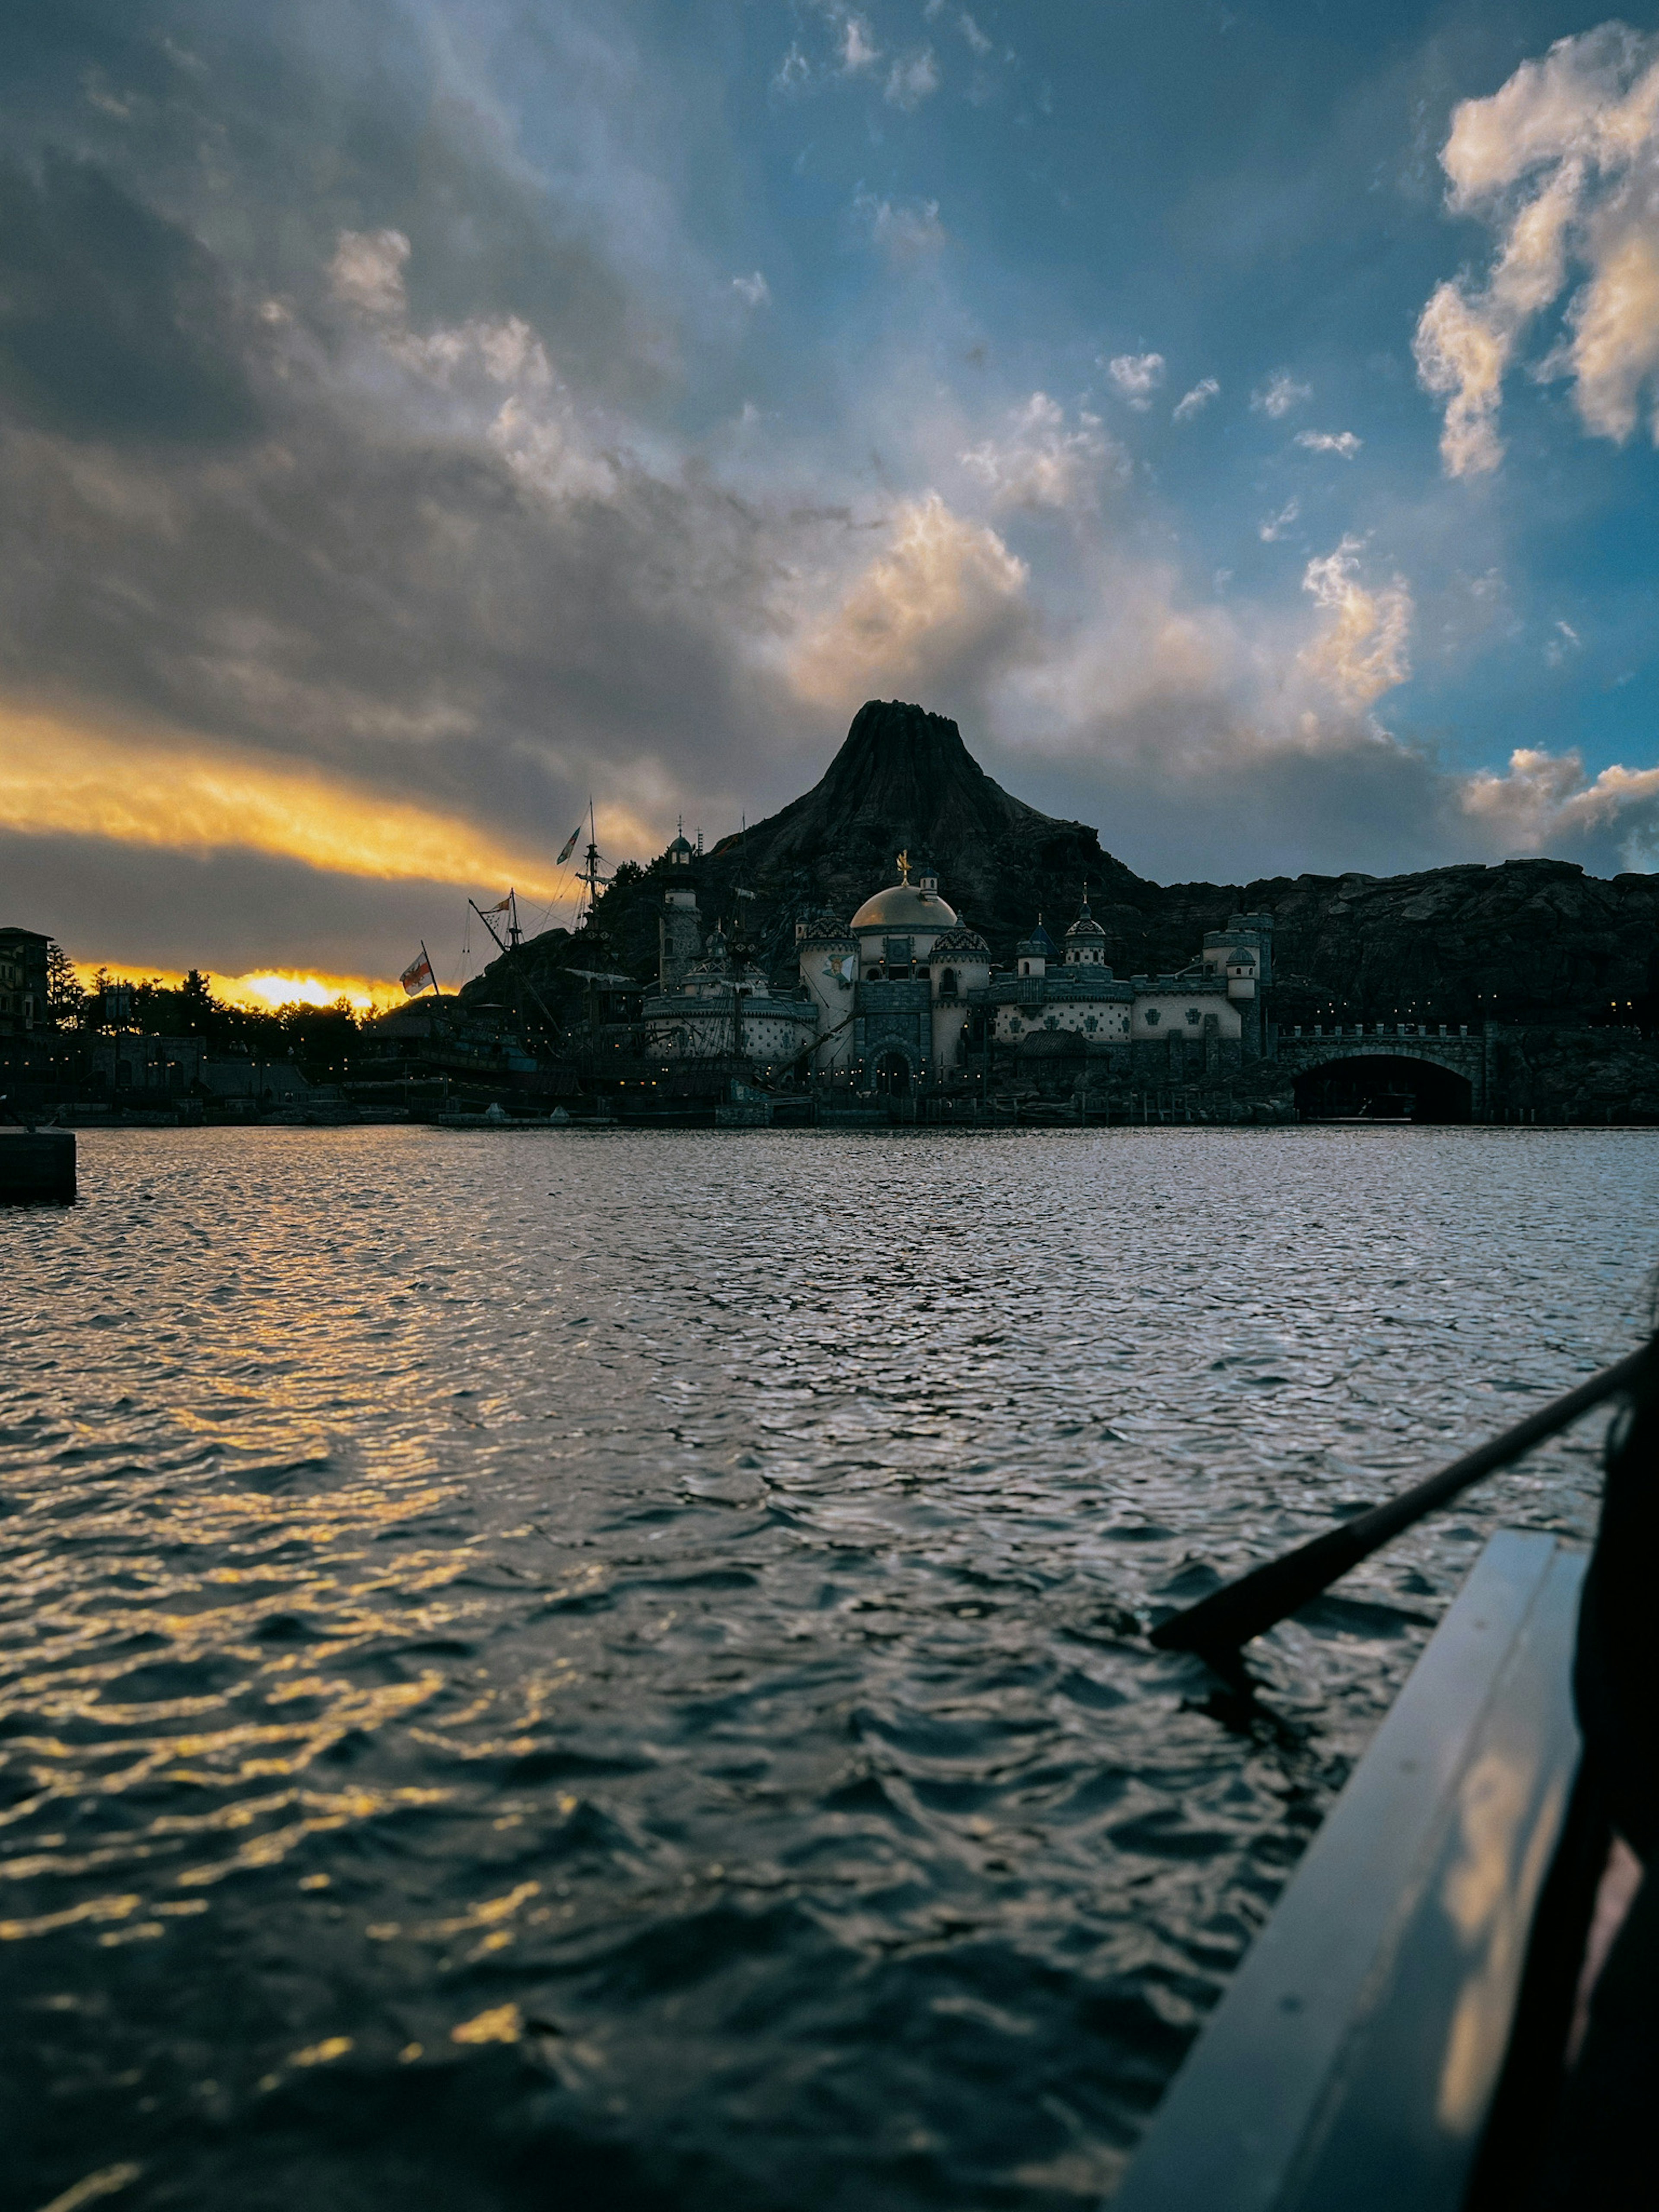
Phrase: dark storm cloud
(377, 401)
(139, 907)
(113, 322)
(407, 609)
(374, 582)
(267, 131)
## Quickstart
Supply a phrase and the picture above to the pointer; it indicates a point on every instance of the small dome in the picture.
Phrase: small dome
(960, 943)
(825, 929)
(1085, 925)
(902, 906)
(682, 851)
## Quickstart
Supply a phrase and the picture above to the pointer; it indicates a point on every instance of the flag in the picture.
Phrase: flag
(418, 973)
(568, 846)
(501, 908)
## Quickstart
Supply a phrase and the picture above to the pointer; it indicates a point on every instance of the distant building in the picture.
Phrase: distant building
(905, 994)
(722, 1004)
(22, 980)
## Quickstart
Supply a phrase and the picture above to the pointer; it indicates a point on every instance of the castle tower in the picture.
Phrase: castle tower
(829, 956)
(1036, 952)
(679, 935)
(1086, 941)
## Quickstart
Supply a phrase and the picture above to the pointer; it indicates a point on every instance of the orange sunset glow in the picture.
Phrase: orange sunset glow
(262, 990)
(60, 779)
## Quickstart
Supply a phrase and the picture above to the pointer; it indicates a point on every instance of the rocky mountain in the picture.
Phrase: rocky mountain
(904, 781)
(1530, 940)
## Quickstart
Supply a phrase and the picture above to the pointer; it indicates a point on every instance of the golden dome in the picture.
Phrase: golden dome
(902, 907)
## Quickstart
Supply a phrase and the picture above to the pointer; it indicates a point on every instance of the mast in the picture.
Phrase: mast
(521, 982)
(589, 874)
(430, 969)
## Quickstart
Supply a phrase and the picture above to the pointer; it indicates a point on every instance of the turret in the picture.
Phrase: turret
(678, 929)
(960, 964)
(1086, 941)
(1036, 952)
(829, 956)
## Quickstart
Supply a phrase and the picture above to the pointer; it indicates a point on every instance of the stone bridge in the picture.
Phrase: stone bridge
(1454, 1052)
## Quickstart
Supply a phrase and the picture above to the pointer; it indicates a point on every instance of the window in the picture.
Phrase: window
(1152, 1018)
(947, 984)
(1193, 1016)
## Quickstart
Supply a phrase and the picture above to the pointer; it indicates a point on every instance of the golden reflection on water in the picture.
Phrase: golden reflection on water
(463, 1597)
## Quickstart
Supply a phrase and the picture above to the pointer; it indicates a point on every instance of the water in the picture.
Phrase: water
(557, 1669)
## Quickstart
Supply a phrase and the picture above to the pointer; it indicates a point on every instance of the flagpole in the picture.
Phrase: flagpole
(430, 969)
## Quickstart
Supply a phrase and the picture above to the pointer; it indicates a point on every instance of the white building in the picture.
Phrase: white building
(905, 993)
(721, 1007)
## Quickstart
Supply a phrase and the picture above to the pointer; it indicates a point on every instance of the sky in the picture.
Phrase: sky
(417, 417)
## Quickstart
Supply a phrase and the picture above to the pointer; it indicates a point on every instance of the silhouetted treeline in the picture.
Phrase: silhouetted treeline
(191, 1009)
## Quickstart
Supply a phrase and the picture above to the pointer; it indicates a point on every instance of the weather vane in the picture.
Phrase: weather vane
(904, 868)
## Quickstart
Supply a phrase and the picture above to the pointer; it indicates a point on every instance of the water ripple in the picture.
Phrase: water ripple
(615, 1662)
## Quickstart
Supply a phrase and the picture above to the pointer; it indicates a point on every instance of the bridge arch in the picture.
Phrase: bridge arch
(1382, 1086)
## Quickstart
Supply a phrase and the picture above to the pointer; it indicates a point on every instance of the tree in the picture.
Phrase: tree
(197, 1008)
(64, 997)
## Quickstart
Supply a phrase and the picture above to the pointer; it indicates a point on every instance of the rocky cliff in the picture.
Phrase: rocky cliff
(1529, 941)
(903, 781)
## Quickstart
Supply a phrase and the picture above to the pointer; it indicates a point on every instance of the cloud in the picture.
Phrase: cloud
(1137, 376)
(859, 51)
(1276, 525)
(905, 230)
(367, 274)
(1279, 394)
(115, 323)
(58, 779)
(1562, 163)
(943, 601)
(1363, 650)
(473, 526)
(912, 79)
(1041, 464)
(794, 73)
(441, 590)
(1546, 802)
(1330, 441)
(971, 31)
(1564, 642)
(1195, 401)
(497, 366)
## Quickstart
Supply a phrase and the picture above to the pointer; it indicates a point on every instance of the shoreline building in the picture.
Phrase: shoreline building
(905, 996)
(721, 1005)
(23, 980)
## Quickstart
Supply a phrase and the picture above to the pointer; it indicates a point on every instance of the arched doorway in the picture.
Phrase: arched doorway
(1382, 1087)
(893, 1075)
